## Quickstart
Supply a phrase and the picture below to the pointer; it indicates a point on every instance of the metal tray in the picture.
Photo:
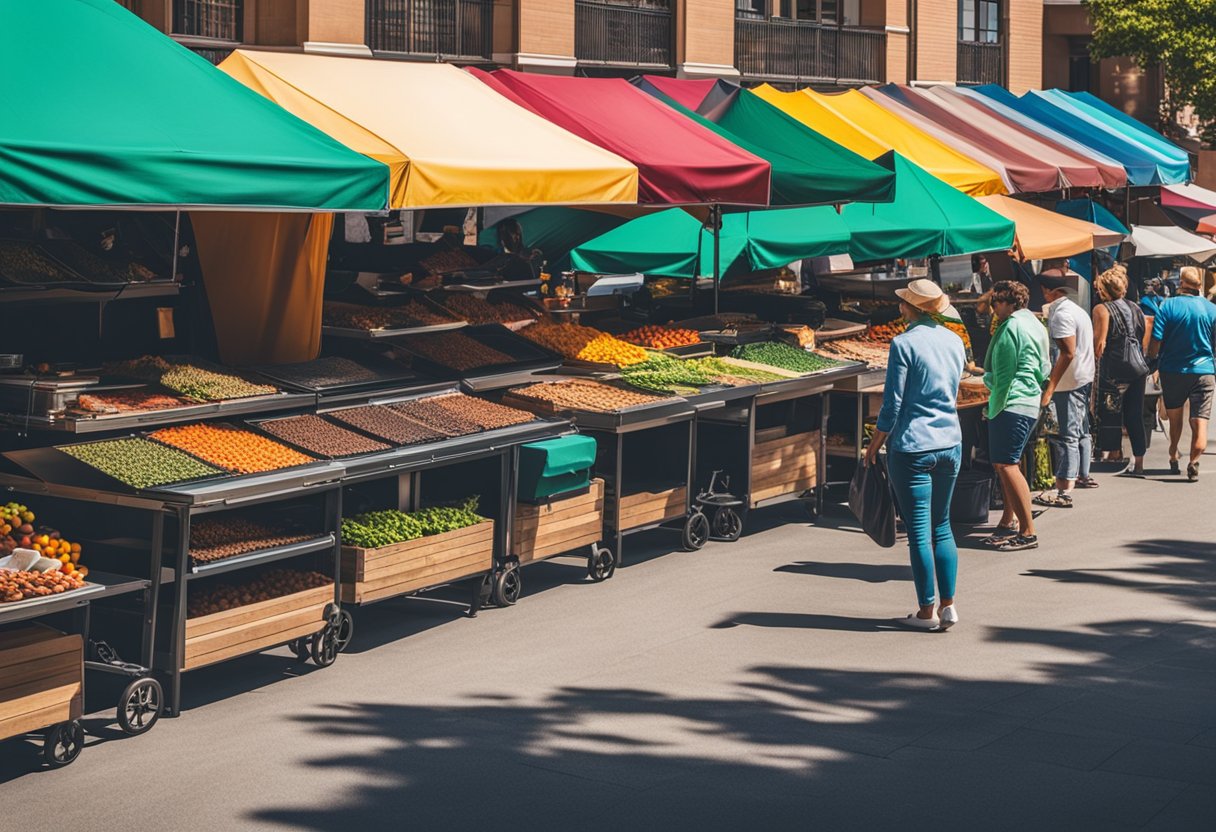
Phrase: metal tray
(527, 356)
(256, 426)
(102, 422)
(671, 409)
(832, 378)
(393, 332)
(303, 376)
(13, 611)
(53, 465)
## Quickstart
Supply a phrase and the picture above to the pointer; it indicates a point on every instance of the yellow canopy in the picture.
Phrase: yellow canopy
(1045, 235)
(447, 138)
(851, 119)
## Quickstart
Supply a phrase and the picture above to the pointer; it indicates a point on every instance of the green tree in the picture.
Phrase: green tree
(1177, 35)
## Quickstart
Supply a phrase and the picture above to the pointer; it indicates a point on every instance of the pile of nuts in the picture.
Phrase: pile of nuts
(412, 314)
(324, 372)
(231, 448)
(477, 310)
(21, 263)
(215, 538)
(316, 435)
(580, 394)
(487, 415)
(139, 463)
(274, 583)
(20, 586)
(437, 417)
(386, 423)
(456, 350)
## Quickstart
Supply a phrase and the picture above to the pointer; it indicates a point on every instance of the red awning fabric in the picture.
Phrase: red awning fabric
(679, 162)
(689, 92)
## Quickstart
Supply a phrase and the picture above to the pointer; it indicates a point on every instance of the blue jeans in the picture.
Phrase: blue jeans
(1074, 445)
(924, 484)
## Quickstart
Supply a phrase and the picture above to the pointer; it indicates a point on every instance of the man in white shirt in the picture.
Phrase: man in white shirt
(1069, 387)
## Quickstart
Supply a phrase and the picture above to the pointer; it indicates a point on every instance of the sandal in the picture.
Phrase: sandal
(1087, 482)
(1056, 500)
(999, 535)
(1019, 543)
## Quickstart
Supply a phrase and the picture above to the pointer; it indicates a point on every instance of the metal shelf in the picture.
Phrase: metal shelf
(291, 550)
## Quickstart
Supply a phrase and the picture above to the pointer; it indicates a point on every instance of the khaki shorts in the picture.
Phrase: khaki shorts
(1179, 388)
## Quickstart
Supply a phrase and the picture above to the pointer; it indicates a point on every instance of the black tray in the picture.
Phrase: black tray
(525, 355)
(305, 376)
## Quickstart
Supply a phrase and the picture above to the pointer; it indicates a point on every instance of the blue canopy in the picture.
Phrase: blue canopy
(1090, 211)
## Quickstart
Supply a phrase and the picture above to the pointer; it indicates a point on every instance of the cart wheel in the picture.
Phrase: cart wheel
(696, 531)
(63, 743)
(728, 525)
(508, 586)
(812, 508)
(601, 564)
(345, 629)
(325, 647)
(302, 647)
(140, 705)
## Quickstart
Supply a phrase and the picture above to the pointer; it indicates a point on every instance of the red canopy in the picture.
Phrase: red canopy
(688, 92)
(679, 161)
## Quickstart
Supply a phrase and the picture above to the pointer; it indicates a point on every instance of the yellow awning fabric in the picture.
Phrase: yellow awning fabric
(1045, 235)
(851, 119)
(448, 139)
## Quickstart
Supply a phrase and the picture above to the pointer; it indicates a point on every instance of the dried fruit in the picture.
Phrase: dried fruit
(662, 337)
(456, 351)
(584, 344)
(231, 448)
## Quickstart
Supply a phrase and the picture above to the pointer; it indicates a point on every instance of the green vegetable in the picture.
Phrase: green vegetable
(665, 374)
(776, 354)
(140, 463)
(1044, 475)
(374, 529)
(720, 368)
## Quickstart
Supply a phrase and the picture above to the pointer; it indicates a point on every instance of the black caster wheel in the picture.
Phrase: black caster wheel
(324, 647)
(345, 629)
(508, 586)
(601, 564)
(696, 531)
(140, 705)
(63, 744)
(302, 647)
(727, 525)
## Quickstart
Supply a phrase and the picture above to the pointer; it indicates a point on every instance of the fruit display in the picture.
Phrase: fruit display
(320, 437)
(857, 349)
(487, 415)
(273, 583)
(477, 310)
(215, 537)
(585, 344)
(885, 333)
(375, 529)
(777, 354)
(412, 314)
(662, 337)
(139, 463)
(17, 531)
(190, 380)
(435, 416)
(456, 350)
(387, 424)
(581, 394)
(122, 401)
(23, 585)
(22, 263)
(231, 448)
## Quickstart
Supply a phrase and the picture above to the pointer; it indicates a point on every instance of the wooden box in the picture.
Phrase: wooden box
(787, 465)
(41, 679)
(372, 574)
(253, 627)
(558, 526)
(648, 507)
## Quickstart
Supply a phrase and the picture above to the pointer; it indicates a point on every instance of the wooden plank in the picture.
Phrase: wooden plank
(41, 649)
(408, 545)
(254, 632)
(556, 527)
(12, 639)
(654, 509)
(232, 651)
(41, 699)
(40, 668)
(571, 545)
(39, 719)
(782, 489)
(430, 563)
(41, 684)
(238, 616)
(572, 532)
(473, 562)
(360, 593)
(425, 550)
(526, 521)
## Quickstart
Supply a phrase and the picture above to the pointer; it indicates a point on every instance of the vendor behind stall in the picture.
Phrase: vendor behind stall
(515, 261)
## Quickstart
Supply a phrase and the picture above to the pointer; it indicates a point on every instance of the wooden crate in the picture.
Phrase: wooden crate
(558, 526)
(372, 574)
(41, 679)
(253, 627)
(787, 465)
(647, 507)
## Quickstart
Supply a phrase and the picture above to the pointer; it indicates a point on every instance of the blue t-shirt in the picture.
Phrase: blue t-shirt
(1149, 304)
(919, 402)
(1186, 326)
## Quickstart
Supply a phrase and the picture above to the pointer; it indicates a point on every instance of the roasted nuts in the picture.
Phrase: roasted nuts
(314, 434)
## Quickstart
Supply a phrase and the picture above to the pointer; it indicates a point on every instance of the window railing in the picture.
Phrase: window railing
(613, 34)
(799, 52)
(460, 30)
(980, 63)
(211, 19)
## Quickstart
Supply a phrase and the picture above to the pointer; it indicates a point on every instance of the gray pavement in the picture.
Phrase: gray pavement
(758, 685)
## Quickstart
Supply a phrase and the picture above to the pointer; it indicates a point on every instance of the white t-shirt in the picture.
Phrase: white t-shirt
(1066, 318)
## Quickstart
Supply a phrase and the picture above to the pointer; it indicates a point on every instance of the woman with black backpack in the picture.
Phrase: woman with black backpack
(1122, 369)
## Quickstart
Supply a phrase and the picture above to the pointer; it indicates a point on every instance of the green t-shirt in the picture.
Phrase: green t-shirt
(1017, 366)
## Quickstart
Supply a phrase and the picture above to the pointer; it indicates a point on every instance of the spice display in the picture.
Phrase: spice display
(581, 394)
(487, 415)
(477, 310)
(215, 537)
(412, 314)
(325, 372)
(434, 415)
(384, 528)
(585, 344)
(126, 402)
(231, 448)
(274, 583)
(857, 349)
(17, 530)
(190, 380)
(456, 351)
(387, 424)
(776, 354)
(139, 463)
(23, 585)
(22, 263)
(662, 337)
(316, 435)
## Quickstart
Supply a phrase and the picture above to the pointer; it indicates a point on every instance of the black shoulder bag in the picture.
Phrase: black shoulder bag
(1124, 359)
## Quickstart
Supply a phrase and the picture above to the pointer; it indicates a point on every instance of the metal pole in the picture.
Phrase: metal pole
(715, 216)
(177, 236)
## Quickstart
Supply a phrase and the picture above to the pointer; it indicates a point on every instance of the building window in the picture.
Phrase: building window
(981, 48)
(462, 30)
(211, 19)
(625, 33)
(979, 21)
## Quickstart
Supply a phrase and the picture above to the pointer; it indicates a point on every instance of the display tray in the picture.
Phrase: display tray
(744, 333)
(523, 356)
(668, 409)
(453, 322)
(74, 422)
(99, 271)
(45, 604)
(865, 378)
(260, 556)
(414, 565)
(260, 426)
(333, 374)
(26, 263)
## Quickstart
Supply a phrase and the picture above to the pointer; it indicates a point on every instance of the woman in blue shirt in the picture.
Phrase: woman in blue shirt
(919, 425)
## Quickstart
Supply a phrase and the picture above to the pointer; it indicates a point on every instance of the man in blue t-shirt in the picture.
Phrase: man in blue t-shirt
(1184, 332)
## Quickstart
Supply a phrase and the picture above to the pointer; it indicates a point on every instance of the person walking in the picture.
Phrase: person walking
(1016, 368)
(1069, 387)
(1119, 329)
(918, 422)
(1184, 331)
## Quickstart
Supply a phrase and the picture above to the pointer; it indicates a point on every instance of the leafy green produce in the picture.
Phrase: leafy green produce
(721, 369)
(374, 529)
(140, 463)
(1044, 475)
(776, 354)
(665, 374)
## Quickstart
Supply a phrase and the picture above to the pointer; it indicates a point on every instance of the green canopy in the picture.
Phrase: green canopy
(555, 230)
(807, 168)
(103, 110)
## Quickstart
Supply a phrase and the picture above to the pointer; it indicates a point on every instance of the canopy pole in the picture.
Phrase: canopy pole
(715, 216)
(177, 235)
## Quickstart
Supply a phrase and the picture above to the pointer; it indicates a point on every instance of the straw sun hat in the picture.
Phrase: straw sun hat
(924, 295)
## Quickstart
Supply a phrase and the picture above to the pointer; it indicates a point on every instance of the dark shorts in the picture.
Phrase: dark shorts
(1179, 388)
(1008, 434)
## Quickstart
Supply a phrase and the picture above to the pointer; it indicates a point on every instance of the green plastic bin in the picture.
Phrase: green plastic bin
(555, 466)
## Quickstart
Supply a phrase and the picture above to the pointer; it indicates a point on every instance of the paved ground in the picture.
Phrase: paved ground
(757, 685)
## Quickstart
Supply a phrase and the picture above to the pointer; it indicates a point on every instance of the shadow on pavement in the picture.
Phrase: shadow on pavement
(871, 573)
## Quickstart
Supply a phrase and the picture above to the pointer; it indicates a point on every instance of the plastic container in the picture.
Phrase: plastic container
(972, 495)
(555, 466)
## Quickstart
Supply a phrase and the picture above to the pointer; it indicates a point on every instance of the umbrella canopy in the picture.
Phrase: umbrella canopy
(1207, 225)
(851, 119)
(678, 162)
(103, 110)
(447, 138)
(1188, 197)
(1045, 235)
(807, 169)
(1090, 211)
(1170, 241)
(1097, 112)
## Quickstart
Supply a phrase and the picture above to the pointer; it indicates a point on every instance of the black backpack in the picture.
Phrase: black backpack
(1124, 359)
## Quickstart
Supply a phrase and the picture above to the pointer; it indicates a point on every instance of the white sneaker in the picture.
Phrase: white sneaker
(949, 617)
(922, 623)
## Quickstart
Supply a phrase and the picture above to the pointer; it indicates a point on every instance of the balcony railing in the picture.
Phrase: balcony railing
(211, 19)
(460, 30)
(980, 63)
(612, 34)
(801, 52)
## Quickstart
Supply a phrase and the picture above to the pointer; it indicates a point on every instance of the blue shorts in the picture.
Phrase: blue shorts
(1008, 434)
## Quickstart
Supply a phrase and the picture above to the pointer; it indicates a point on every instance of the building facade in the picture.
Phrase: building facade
(829, 43)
